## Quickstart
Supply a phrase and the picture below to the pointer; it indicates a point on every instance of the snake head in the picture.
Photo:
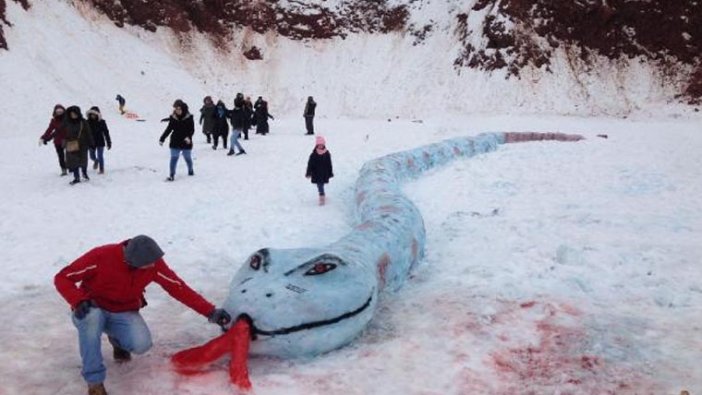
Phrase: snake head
(302, 302)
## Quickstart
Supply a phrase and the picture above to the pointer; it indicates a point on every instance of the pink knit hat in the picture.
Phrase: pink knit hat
(320, 141)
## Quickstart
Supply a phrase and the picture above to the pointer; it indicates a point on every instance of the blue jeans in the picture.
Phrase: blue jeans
(126, 330)
(320, 188)
(97, 154)
(175, 154)
(235, 141)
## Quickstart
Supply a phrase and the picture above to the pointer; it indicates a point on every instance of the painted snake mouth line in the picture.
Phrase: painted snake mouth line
(312, 325)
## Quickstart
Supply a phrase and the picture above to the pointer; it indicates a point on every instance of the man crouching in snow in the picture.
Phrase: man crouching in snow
(112, 280)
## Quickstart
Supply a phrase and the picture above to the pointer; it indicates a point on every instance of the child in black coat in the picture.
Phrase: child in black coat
(319, 167)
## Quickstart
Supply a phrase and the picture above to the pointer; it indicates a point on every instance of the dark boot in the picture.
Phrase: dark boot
(118, 353)
(96, 389)
(230, 153)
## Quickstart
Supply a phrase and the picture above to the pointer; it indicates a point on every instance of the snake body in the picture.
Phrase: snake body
(307, 301)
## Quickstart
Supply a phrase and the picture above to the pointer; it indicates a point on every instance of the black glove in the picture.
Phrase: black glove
(219, 317)
(82, 309)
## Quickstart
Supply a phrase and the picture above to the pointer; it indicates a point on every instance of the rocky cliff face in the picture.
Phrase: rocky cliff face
(293, 19)
(521, 33)
(4, 21)
(509, 36)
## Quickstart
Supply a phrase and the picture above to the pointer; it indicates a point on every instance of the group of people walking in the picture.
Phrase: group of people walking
(215, 119)
(75, 138)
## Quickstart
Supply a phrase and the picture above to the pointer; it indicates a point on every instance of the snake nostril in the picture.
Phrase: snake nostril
(243, 291)
(268, 295)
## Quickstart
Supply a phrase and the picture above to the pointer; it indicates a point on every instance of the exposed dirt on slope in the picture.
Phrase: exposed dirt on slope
(218, 17)
(520, 33)
(510, 34)
(4, 21)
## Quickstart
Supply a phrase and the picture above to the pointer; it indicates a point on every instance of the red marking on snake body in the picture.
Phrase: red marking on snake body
(389, 209)
(235, 341)
(360, 198)
(364, 226)
(457, 151)
(513, 137)
(415, 252)
(382, 265)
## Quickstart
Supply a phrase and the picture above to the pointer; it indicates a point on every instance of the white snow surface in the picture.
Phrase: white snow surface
(551, 268)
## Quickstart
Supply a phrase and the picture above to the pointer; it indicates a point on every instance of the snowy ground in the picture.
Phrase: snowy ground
(552, 268)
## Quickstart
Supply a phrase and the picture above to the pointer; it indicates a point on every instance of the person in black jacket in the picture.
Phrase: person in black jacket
(248, 116)
(319, 167)
(181, 128)
(261, 115)
(238, 119)
(79, 139)
(207, 117)
(309, 114)
(220, 125)
(101, 138)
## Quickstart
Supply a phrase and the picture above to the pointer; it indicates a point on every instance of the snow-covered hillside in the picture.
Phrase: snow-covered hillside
(54, 45)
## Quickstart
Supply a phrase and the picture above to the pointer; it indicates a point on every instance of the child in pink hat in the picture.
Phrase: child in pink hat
(319, 167)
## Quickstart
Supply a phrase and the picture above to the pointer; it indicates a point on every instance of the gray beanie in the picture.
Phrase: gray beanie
(141, 251)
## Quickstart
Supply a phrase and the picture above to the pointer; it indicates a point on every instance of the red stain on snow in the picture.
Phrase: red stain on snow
(552, 355)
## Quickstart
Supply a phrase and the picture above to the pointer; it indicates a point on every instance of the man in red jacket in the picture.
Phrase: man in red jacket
(112, 280)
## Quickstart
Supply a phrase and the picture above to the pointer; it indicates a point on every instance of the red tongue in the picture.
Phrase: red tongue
(238, 371)
(236, 341)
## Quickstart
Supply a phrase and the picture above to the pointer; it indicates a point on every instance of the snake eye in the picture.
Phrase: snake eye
(255, 262)
(320, 268)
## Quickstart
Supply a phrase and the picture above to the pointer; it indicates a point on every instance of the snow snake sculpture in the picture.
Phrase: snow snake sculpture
(307, 301)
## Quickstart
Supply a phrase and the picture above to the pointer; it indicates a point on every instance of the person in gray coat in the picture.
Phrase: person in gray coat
(79, 138)
(207, 113)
